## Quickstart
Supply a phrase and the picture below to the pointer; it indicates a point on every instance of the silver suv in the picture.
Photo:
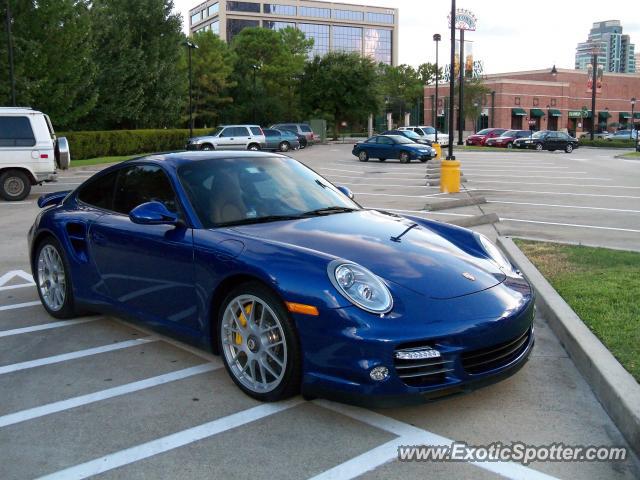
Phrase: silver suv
(230, 137)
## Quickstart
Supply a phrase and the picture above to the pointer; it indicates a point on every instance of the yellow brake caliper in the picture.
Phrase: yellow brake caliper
(243, 322)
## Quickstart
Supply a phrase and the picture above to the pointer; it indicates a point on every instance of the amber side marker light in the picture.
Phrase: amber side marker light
(302, 308)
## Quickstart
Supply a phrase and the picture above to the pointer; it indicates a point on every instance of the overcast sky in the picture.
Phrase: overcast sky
(512, 35)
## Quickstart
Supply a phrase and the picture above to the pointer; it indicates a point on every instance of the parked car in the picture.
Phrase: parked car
(480, 138)
(300, 129)
(297, 288)
(384, 147)
(623, 135)
(596, 136)
(507, 138)
(548, 140)
(230, 137)
(281, 140)
(429, 133)
(30, 152)
(410, 134)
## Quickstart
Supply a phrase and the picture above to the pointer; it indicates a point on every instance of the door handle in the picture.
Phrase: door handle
(232, 139)
(98, 238)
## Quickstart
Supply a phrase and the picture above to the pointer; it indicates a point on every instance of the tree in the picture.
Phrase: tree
(54, 62)
(400, 86)
(341, 87)
(212, 69)
(474, 95)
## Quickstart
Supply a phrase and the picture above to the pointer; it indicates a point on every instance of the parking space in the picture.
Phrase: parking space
(100, 397)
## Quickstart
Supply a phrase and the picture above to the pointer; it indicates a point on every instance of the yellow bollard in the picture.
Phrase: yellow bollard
(438, 149)
(450, 176)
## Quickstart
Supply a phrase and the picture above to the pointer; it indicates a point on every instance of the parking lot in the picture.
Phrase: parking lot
(97, 396)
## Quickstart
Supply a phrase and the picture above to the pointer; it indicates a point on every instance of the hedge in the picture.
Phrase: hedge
(585, 142)
(84, 145)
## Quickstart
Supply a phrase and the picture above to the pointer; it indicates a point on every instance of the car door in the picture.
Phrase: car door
(226, 139)
(147, 270)
(386, 148)
(272, 138)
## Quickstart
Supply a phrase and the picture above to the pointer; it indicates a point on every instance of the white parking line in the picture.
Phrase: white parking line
(73, 355)
(556, 184)
(378, 179)
(526, 175)
(10, 204)
(171, 442)
(389, 195)
(385, 185)
(19, 305)
(565, 206)
(422, 212)
(44, 326)
(550, 193)
(127, 388)
(596, 227)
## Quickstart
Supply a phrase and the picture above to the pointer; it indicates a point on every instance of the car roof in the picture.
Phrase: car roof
(177, 159)
(19, 110)
(240, 125)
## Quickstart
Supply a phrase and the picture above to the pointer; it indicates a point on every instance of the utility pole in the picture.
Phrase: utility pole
(10, 49)
(461, 93)
(436, 38)
(594, 64)
(452, 79)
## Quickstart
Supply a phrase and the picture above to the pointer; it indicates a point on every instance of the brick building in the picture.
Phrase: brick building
(551, 101)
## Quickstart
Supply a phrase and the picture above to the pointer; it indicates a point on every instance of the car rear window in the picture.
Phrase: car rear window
(256, 131)
(16, 132)
(305, 128)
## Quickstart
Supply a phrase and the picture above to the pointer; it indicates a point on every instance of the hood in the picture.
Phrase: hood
(421, 260)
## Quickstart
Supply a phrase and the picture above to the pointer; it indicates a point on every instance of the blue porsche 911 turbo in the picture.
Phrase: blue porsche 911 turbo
(297, 287)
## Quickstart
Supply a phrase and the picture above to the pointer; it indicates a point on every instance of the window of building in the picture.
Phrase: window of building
(16, 132)
(377, 44)
(320, 36)
(276, 9)
(380, 17)
(277, 25)
(196, 17)
(347, 39)
(213, 9)
(553, 102)
(536, 101)
(243, 7)
(516, 100)
(315, 12)
(347, 15)
(236, 25)
(215, 27)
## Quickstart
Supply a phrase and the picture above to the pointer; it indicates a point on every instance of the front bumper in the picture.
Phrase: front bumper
(422, 155)
(193, 146)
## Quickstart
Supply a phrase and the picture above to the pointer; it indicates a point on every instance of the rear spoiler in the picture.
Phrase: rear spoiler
(51, 199)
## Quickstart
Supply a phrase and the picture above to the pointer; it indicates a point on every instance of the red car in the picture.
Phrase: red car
(507, 138)
(482, 136)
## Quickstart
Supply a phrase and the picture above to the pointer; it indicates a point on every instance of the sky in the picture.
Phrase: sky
(511, 35)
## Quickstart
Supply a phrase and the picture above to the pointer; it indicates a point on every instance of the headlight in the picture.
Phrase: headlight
(494, 253)
(360, 286)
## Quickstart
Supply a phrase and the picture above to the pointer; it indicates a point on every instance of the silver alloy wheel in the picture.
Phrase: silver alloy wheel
(569, 148)
(14, 186)
(509, 145)
(363, 156)
(284, 147)
(538, 146)
(254, 148)
(52, 281)
(254, 344)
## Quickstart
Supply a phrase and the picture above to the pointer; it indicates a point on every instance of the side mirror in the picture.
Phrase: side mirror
(153, 213)
(346, 191)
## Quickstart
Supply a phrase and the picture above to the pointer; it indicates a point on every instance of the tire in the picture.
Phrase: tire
(207, 147)
(568, 148)
(284, 146)
(254, 147)
(51, 274)
(363, 156)
(424, 160)
(303, 143)
(539, 147)
(404, 157)
(510, 145)
(382, 159)
(264, 364)
(15, 185)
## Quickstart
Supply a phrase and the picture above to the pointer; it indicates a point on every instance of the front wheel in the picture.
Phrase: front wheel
(510, 145)
(539, 147)
(303, 143)
(259, 344)
(568, 148)
(254, 147)
(52, 279)
(404, 157)
(14, 185)
(382, 159)
(284, 147)
(363, 156)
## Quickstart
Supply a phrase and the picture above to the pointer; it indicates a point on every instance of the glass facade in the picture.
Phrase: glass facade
(243, 7)
(315, 12)
(320, 35)
(347, 15)
(277, 25)
(380, 17)
(377, 44)
(213, 9)
(196, 17)
(235, 25)
(347, 39)
(215, 27)
(276, 9)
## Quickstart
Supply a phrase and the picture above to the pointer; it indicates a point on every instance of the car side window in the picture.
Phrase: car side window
(16, 132)
(256, 131)
(292, 128)
(385, 141)
(305, 128)
(270, 133)
(240, 132)
(430, 131)
(99, 192)
(142, 184)
(227, 132)
(372, 140)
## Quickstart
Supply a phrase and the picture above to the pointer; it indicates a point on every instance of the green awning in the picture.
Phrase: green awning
(604, 114)
(537, 112)
(636, 115)
(575, 113)
(554, 113)
(519, 112)
(625, 115)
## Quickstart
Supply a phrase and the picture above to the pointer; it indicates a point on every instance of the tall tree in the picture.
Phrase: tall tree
(54, 62)
(341, 87)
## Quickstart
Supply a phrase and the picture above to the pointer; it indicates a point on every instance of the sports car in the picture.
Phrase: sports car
(299, 289)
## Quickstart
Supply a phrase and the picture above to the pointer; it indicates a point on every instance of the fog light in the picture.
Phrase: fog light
(379, 373)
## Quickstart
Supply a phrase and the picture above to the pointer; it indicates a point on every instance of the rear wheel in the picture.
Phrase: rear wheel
(254, 147)
(284, 146)
(538, 146)
(52, 279)
(404, 157)
(207, 147)
(303, 143)
(363, 156)
(568, 148)
(15, 185)
(382, 159)
(510, 145)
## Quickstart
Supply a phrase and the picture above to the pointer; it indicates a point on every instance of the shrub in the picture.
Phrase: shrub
(585, 142)
(85, 145)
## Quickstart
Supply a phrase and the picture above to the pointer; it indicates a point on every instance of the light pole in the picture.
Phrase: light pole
(594, 64)
(436, 38)
(461, 118)
(255, 68)
(190, 46)
(633, 121)
(452, 80)
(10, 50)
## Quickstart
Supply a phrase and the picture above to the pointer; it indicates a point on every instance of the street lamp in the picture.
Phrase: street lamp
(255, 68)
(452, 80)
(633, 121)
(594, 64)
(190, 46)
(10, 51)
(436, 38)
(554, 71)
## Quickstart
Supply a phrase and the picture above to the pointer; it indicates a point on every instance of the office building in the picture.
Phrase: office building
(616, 52)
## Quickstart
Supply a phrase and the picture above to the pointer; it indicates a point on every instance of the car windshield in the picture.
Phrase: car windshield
(539, 134)
(509, 133)
(484, 132)
(239, 191)
(401, 139)
(214, 133)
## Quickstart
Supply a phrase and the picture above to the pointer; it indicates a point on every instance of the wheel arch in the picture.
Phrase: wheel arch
(21, 168)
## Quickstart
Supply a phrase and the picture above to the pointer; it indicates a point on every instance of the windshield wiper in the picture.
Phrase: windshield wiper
(328, 211)
(265, 219)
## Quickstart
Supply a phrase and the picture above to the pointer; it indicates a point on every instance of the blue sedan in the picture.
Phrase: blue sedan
(384, 147)
(281, 140)
(297, 287)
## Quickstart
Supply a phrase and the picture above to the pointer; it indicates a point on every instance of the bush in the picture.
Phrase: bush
(84, 145)
(585, 142)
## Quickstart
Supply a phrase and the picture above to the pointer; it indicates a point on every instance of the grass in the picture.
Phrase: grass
(101, 160)
(631, 155)
(603, 288)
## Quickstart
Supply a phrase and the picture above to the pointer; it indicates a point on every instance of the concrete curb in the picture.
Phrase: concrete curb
(615, 388)
(458, 202)
(476, 220)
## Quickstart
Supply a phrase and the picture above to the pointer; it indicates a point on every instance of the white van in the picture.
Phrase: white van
(429, 133)
(30, 153)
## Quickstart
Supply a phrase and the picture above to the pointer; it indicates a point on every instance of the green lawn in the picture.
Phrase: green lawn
(631, 155)
(100, 160)
(603, 288)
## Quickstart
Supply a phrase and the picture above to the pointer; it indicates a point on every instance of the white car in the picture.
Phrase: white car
(30, 153)
(429, 133)
(230, 137)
